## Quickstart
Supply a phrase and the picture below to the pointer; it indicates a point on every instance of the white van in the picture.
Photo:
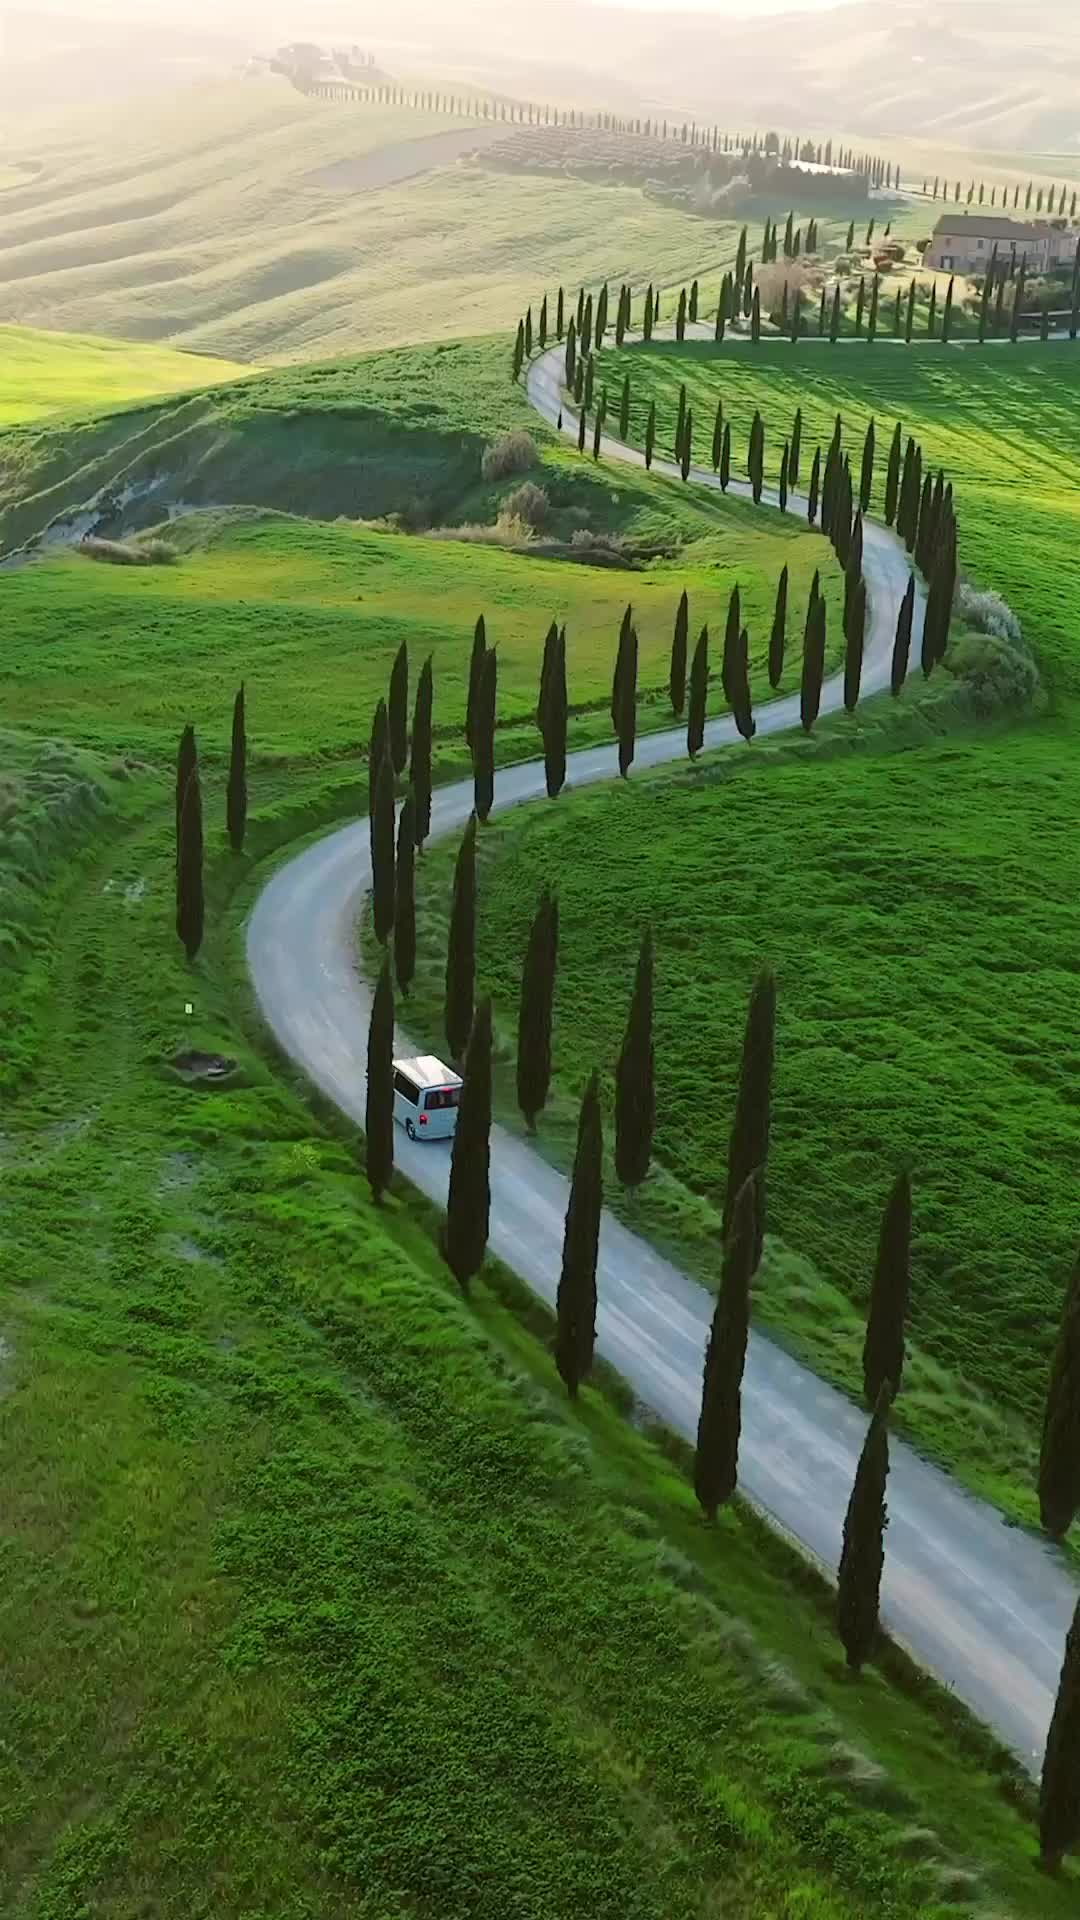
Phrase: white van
(426, 1096)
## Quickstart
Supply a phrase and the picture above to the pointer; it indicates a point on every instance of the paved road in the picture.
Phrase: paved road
(984, 1606)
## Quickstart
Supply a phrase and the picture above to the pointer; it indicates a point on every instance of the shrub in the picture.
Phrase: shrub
(987, 612)
(511, 453)
(996, 672)
(528, 502)
(124, 553)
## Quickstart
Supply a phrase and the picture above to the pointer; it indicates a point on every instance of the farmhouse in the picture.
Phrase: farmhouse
(964, 242)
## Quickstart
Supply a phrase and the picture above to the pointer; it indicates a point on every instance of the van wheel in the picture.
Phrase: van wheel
(410, 1130)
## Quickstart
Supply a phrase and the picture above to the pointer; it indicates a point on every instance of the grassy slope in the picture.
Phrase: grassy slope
(333, 1603)
(920, 909)
(312, 616)
(43, 373)
(204, 223)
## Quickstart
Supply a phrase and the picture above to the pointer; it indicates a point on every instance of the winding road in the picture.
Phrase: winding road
(983, 1605)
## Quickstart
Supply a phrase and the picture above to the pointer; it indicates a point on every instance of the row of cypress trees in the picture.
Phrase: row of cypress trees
(190, 888)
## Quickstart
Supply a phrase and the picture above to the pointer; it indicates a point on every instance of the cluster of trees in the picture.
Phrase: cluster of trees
(190, 848)
(1044, 197)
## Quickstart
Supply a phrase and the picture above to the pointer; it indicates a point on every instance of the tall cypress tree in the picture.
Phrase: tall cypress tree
(398, 709)
(420, 765)
(909, 321)
(795, 448)
(756, 456)
(866, 478)
(725, 458)
(883, 1348)
(902, 644)
(783, 492)
(571, 356)
(575, 1304)
(718, 435)
(924, 525)
(699, 695)
(892, 477)
(778, 635)
(190, 902)
(741, 706)
(834, 317)
(1018, 303)
(1059, 1795)
(984, 303)
(732, 629)
(692, 309)
(860, 305)
(871, 325)
(813, 665)
(687, 443)
(379, 1101)
(931, 313)
(748, 1149)
(863, 1555)
(476, 667)
(542, 326)
(650, 435)
(626, 700)
(560, 315)
(677, 675)
(461, 947)
(680, 316)
(635, 1078)
(187, 760)
(680, 422)
(624, 410)
(814, 493)
(468, 1204)
(518, 356)
(947, 312)
(1059, 1464)
(755, 315)
(405, 895)
(720, 1421)
(484, 737)
(382, 853)
(551, 641)
(554, 719)
(535, 1009)
(236, 791)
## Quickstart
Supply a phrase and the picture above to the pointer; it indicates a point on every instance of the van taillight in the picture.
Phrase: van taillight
(423, 1119)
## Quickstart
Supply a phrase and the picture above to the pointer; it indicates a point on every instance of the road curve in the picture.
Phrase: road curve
(984, 1606)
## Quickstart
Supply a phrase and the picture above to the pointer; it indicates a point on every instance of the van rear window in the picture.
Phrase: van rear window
(440, 1098)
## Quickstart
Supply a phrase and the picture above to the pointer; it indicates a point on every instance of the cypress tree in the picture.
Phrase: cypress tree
(814, 494)
(560, 315)
(783, 490)
(723, 306)
(860, 305)
(635, 1078)
(813, 666)
(740, 259)
(909, 324)
(795, 444)
(519, 351)
(1018, 303)
(834, 318)
(624, 410)
(924, 533)
(585, 331)
(756, 457)
(405, 895)
(720, 1421)
(468, 1202)
(755, 316)
(778, 635)
(484, 737)
(866, 481)
(863, 1555)
(692, 310)
(732, 629)
(236, 792)
(420, 766)
(687, 443)
(931, 313)
(626, 700)
(883, 1349)
(947, 312)
(821, 313)
(528, 333)
(397, 709)
(1059, 1464)
(590, 380)
(543, 324)
(677, 675)
(892, 477)
(680, 316)
(625, 626)
(984, 304)
(748, 1149)
(379, 1099)
(650, 435)
(187, 760)
(476, 668)
(461, 947)
(741, 705)
(535, 1010)
(551, 641)
(650, 309)
(190, 904)
(902, 643)
(554, 720)
(571, 356)
(725, 458)
(382, 851)
(699, 694)
(680, 423)
(575, 1304)
(871, 325)
(598, 426)
(1059, 1795)
(718, 435)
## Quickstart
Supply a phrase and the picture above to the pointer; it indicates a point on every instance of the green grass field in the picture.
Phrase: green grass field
(919, 906)
(45, 373)
(318, 1599)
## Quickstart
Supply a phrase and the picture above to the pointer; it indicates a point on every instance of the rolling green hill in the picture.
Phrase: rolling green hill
(44, 373)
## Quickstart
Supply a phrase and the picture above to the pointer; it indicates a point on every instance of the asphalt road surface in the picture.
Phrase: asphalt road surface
(984, 1606)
